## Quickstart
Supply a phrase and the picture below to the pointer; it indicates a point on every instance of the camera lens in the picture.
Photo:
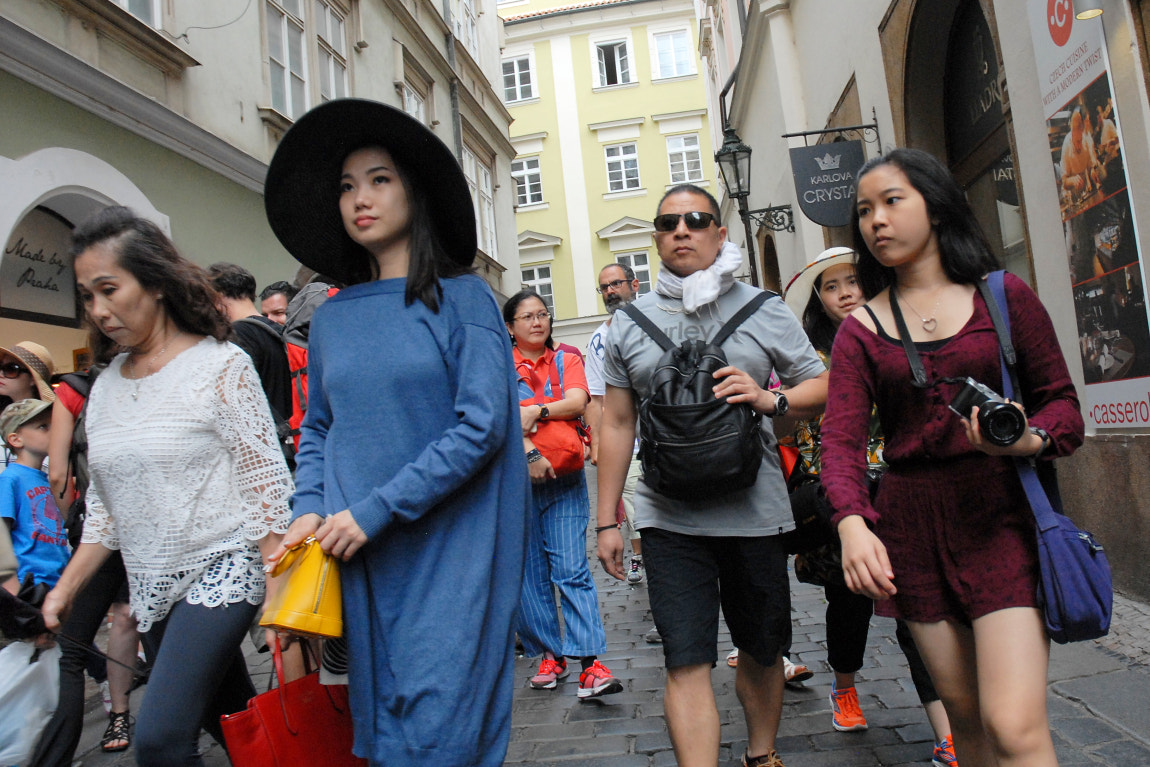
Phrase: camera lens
(1000, 423)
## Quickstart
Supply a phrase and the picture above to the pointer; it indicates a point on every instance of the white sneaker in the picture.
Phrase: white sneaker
(635, 575)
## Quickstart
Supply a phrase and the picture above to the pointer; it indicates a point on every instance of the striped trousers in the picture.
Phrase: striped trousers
(557, 555)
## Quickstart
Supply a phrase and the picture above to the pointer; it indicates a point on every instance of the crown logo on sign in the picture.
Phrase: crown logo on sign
(827, 162)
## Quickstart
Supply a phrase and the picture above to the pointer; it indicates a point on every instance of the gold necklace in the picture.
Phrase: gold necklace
(929, 325)
(152, 361)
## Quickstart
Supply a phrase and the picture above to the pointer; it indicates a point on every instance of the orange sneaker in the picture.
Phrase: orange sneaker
(944, 753)
(847, 716)
(550, 672)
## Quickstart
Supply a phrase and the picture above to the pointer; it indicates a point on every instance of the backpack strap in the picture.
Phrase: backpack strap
(740, 317)
(650, 328)
(261, 324)
(81, 382)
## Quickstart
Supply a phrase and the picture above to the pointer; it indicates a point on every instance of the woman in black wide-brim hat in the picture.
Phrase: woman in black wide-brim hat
(410, 465)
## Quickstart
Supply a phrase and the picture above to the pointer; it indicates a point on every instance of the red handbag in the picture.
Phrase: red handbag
(560, 441)
(298, 724)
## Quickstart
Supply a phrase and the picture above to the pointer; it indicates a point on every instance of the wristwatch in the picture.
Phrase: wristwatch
(1041, 434)
(543, 412)
(781, 405)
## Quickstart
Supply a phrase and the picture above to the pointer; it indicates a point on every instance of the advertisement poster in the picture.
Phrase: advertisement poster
(1102, 250)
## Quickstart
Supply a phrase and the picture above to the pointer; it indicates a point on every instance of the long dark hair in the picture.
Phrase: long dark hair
(817, 322)
(512, 306)
(144, 251)
(962, 245)
(428, 262)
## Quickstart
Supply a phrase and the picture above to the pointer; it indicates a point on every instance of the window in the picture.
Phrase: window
(614, 66)
(640, 265)
(622, 167)
(528, 181)
(479, 177)
(539, 278)
(517, 79)
(414, 103)
(673, 54)
(684, 158)
(147, 11)
(332, 56)
(466, 28)
(286, 57)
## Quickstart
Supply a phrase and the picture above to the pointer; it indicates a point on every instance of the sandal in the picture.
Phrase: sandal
(116, 735)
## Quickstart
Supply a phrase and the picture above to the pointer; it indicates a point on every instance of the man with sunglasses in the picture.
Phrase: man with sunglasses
(721, 550)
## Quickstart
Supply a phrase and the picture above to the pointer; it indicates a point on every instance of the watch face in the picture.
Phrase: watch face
(781, 404)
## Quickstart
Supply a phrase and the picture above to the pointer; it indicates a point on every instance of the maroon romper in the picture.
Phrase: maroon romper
(955, 522)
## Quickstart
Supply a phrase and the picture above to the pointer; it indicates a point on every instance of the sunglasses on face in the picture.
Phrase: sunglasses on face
(12, 370)
(696, 220)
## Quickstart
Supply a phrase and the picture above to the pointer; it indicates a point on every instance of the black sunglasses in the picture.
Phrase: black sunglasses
(696, 220)
(12, 370)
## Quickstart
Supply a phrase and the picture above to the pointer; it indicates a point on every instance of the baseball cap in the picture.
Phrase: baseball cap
(19, 413)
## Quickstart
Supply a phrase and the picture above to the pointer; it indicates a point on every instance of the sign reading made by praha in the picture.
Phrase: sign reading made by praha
(825, 180)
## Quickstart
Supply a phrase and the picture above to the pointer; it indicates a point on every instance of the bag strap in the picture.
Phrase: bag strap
(917, 371)
(993, 291)
(261, 324)
(740, 317)
(649, 327)
(724, 333)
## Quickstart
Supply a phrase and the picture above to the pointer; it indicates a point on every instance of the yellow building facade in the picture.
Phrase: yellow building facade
(610, 110)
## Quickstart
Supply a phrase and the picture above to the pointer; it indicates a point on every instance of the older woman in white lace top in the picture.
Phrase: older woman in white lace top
(188, 480)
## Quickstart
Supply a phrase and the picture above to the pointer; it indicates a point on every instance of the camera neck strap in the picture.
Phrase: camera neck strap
(993, 291)
(917, 371)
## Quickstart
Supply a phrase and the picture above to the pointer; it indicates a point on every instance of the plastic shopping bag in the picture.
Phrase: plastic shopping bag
(29, 689)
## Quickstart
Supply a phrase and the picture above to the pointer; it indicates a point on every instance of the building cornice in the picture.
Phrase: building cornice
(60, 74)
(587, 18)
(117, 24)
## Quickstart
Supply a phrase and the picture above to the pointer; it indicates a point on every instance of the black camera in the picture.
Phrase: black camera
(1000, 422)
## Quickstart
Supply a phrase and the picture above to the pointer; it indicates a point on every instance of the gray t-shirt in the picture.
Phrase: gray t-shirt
(771, 340)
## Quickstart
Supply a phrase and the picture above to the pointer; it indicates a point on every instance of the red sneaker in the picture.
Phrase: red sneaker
(597, 680)
(550, 672)
(848, 716)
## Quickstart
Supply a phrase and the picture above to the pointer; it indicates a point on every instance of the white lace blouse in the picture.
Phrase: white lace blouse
(187, 476)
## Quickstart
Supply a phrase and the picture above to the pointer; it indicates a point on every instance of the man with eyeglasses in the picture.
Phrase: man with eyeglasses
(721, 550)
(619, 287)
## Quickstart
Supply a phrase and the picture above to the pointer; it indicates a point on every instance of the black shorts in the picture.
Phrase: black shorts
(689, 577)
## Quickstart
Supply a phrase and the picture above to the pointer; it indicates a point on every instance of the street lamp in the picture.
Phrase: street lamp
(734, 159)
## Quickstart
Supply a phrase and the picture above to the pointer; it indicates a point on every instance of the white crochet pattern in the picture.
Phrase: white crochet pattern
(186, 477)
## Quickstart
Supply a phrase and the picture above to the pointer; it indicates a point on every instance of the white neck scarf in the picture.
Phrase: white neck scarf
(705, 285)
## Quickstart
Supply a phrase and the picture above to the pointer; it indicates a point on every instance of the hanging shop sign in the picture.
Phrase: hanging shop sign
(36, 278)
(825, 176)
(1103, 254)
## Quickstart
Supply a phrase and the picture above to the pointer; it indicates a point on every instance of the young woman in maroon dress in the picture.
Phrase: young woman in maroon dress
(948, 543)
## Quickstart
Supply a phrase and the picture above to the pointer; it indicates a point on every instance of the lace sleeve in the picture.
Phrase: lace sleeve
(98, 526)
(245, 425)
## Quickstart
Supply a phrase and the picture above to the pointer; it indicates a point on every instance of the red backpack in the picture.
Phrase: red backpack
(296, 330)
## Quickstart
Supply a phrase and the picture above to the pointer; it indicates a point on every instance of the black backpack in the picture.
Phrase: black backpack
(693, 445)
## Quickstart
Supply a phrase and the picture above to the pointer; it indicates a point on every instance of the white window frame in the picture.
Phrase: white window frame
(538, 278)
(331, 46)
(657, 70)
(526, 173)
(640, 263)
(629, 181)
(624, 65)
(680, 155)
(466, 25)
(414, 102)
(295, 86)
(153, 5)
(480, 182)
(517, 93)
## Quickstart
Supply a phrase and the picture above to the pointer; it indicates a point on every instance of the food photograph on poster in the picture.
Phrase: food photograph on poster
(1112, 333)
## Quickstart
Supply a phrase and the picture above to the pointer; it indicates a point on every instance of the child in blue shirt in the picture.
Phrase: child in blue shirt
(26, 503)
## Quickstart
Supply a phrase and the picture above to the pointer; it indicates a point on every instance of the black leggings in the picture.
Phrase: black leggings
(848, 623)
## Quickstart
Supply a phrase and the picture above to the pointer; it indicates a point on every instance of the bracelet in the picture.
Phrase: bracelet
(534, 455)
(605, 527)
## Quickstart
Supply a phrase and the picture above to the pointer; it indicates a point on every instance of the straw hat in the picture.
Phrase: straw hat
(799, 289)
(301, 193)
(38, 360)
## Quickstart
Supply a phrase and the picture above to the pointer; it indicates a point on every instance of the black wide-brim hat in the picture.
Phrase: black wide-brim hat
(301, 193)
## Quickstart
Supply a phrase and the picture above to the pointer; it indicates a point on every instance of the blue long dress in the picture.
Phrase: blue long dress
(413, 424)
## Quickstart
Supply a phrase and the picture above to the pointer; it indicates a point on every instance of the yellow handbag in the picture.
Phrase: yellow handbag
(309, 601)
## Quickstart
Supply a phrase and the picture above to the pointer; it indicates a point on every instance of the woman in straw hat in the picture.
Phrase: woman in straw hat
(26, 369)
(410, 467)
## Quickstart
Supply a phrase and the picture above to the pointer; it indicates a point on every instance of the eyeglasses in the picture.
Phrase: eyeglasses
(541, 316)
(12, 370)
(696, 220)
(612, 285)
